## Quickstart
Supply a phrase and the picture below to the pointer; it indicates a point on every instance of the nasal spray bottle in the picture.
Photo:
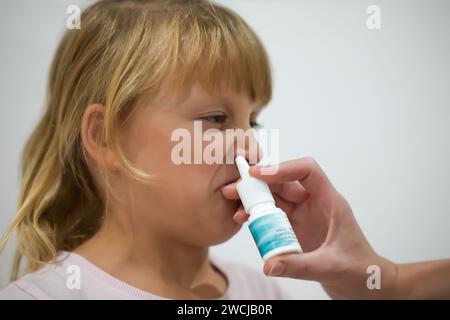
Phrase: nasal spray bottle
(268, 224)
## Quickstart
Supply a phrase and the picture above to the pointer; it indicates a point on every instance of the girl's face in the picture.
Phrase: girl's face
(184, 201)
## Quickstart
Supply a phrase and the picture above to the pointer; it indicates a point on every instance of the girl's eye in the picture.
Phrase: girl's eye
(221, 119)
(255, 124)
(216, 119)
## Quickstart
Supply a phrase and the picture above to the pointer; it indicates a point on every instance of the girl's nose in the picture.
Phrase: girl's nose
(247, 146)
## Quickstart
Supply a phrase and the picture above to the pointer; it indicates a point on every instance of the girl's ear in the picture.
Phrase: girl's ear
(94, 142)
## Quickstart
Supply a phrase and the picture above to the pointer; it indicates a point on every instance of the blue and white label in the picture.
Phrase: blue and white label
(272, 231)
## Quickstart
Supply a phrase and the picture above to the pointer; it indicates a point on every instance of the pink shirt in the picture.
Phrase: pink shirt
(56, 281)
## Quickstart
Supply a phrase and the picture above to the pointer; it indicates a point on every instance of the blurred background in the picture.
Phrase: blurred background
(371, 105)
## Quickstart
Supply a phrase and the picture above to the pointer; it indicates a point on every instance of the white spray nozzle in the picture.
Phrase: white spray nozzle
(242, 166)
(254, 193)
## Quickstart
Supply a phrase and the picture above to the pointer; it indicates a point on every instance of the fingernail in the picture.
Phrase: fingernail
(277, 269)
(225, 188)
(238, 213)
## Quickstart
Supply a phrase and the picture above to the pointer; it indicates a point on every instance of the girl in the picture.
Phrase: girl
(103, 211)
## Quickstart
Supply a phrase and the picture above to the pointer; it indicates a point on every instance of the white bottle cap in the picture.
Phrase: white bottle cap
(254, 193)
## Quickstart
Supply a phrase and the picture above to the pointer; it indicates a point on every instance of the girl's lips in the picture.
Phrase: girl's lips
(230, 181)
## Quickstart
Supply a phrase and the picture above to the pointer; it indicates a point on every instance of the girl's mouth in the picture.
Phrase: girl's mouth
(227, 182)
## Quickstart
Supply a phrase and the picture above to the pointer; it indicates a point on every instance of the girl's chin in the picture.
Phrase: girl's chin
(219, 226)
(227, 206)
(224, 231)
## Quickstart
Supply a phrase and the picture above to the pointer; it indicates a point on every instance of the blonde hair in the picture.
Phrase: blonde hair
(123, 50)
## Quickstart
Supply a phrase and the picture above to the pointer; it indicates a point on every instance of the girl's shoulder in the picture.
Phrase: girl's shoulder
(53, 281)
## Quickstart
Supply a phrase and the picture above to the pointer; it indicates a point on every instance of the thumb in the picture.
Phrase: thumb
(305, 266)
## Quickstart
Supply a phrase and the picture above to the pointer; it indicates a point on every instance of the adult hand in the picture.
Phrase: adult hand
(335, 250)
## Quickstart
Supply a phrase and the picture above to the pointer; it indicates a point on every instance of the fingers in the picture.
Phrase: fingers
(291, 191)
(294, 180)
(305, 170)
(230, 192)
(283, 204)
(241, 216)
(305, 266)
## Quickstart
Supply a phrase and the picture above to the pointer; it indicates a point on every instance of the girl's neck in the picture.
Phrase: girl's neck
(154, 263)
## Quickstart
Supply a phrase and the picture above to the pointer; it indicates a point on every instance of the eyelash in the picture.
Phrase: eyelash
(253, 124)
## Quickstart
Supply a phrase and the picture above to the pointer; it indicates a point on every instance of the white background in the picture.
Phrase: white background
(372, 106)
